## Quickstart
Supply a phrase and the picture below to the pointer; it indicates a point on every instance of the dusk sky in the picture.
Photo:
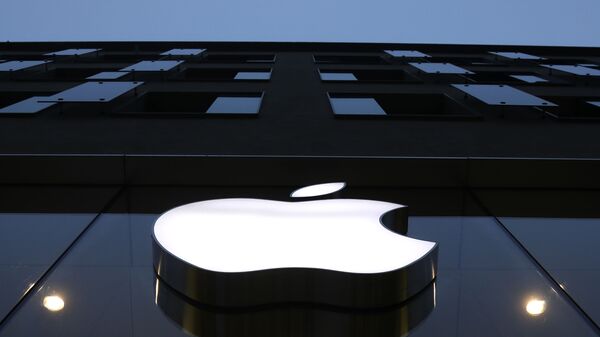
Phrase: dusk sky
(527, 22)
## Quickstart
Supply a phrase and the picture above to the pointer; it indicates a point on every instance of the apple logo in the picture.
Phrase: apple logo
(244, 252)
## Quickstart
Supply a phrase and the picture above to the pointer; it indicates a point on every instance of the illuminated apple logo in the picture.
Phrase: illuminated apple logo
(245, 252)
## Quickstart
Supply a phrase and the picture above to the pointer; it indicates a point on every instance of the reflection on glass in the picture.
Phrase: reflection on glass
(235, 105)
(494, 94)
(293, 319)
(535, 306)
(54, 303)
(356, 106)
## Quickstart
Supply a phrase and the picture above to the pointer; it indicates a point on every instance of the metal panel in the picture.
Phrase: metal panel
(501, 95)
(107, 75)
(356, 106)
(253, 75)
(28, 106)
(337, 76)
(406, 53)
(595, 103)
(73, 52)
(153, 66)
(94, 92)
(516, 55)
(183, 52)
(18, 65)
(529, 78)
(235, 105)
(440, 68)
(574, 69)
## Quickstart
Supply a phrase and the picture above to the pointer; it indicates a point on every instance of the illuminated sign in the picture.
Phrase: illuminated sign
(243, 252)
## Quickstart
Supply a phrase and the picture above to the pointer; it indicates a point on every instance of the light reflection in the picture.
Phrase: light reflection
(54, 303)
(535, 306)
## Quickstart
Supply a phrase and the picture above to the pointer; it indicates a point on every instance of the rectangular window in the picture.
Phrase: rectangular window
(73, 52)
(574, 108)
(516, 55)
(28, 106)
(440, 68)
(183, 52)
(144, 66)
(406, 53)
(367, 75)
(407, 105)
(225, 74)
(504, 95)
(90, 92)
(574, 69)
(179, 103)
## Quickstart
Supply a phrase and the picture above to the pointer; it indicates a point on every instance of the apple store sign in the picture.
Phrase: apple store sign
(244, 252)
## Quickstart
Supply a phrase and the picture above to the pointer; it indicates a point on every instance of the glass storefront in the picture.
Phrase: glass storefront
(77, 261)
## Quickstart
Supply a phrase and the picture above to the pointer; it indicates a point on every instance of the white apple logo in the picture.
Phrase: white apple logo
(251, 245)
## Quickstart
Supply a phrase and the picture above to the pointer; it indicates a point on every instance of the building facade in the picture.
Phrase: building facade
(493, 149)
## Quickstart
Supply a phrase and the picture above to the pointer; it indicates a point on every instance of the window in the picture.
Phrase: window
(529, 78)
(73, 52)
(501, 95)
(440, 68)
(406, 53)
(574, 108)
(501, 77)
(183, 52)
(366, 75)
(152, 66)
(574, 69)
(225, 74)
(28, 106)
(516, 55)
(179, 103)
(409, 105)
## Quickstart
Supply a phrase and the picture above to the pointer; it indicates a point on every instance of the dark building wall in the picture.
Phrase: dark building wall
(295, 117)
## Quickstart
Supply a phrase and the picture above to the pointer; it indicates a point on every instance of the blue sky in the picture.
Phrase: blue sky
(526, 22)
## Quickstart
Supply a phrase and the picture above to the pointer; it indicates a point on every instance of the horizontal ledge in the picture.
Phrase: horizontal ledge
(264, 170)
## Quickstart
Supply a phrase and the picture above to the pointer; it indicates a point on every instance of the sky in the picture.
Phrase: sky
(516, 22)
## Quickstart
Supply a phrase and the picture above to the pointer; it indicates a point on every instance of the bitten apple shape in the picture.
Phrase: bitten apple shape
(254, 251)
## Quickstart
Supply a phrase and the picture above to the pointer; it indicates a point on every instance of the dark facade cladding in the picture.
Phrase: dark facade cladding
(299, 99)
(494, 150)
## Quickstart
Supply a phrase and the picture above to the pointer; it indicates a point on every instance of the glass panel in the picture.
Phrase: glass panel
(94, 92)
(356, 106)
(253, 75)
(107, 75)
(183, 52)
(72, 52)
(595, 103)
(36, 225)
(517, 55)
(235, 105)
(560, 229)
(440, 68)
(18, 65)
(406, 53)
(30, 105)
(529, 78)
(325, 76)
(108, 288)
(576, 70)
(152, 66)
(501, 95)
